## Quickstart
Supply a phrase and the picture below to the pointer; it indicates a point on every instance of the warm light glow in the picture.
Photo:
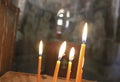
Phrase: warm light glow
(68, 14)
(59, 22)
(61, 11)
(84, 35)
(62, 50)
(41, 48)
(72, 52)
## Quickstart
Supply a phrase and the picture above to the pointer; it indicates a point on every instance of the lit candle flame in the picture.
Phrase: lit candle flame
(72, 52)
(62, 50)
(84, 35)
(41, 48)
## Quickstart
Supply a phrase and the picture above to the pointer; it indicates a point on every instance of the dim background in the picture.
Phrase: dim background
(37, 21)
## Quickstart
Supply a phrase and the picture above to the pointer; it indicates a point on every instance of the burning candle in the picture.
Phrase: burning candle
(40, 60)
(81, 56)
(61, 53)
(71, 57)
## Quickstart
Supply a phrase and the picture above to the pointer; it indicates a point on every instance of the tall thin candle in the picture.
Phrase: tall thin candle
(71, 57)
(81, 56)
(40, 60)
(61, 53)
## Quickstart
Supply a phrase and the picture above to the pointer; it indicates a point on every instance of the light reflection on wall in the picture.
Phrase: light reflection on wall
(63, 21)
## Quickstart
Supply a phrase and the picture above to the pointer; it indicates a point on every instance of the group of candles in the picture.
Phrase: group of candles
(71, 57)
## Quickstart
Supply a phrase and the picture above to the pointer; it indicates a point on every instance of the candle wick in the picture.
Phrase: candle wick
(70, 60)
(40, 55)
(59, 58)
(84, 41)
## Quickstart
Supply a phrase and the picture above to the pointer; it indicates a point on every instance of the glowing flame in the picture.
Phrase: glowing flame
(84, 35)
(72, 52)
(62, 50)
(41, 48)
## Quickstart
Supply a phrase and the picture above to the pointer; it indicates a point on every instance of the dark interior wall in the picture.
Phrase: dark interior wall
(38, 21)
